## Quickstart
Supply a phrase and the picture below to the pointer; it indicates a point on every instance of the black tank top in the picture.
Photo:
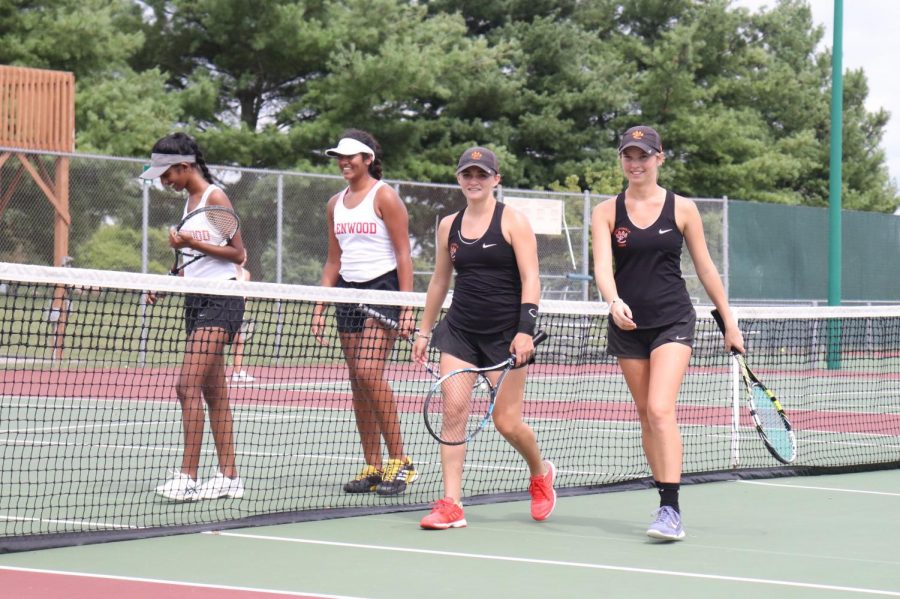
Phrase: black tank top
(488, 289)
(648, 267)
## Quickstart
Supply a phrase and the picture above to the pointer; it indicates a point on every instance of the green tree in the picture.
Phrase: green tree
(116, 247)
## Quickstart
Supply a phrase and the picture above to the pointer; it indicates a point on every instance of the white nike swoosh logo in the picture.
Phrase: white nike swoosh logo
(680, 338)
(488, 245)
(664, 231)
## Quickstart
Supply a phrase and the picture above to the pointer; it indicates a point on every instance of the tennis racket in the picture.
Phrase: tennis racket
(768, 415)
(215, 225)
(461, 402)
(390, 323)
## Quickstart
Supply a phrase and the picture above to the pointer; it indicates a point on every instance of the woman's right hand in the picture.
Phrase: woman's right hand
(621, 315)
(317, 327)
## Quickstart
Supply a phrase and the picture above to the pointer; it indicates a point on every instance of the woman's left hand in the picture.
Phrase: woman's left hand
(522, 347)
(178, 239)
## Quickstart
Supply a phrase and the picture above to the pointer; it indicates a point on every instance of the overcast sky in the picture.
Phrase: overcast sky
(871, 41)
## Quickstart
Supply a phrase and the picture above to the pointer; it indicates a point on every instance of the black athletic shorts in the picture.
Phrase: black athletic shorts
(213, 311)
(640, 342)
(351, 320)
(479, 350)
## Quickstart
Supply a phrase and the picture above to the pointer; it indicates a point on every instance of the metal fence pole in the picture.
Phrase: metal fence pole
(585, 245)
(279, 257)
(145, 266)
(279, 227)
(726, 266)
(145, 226)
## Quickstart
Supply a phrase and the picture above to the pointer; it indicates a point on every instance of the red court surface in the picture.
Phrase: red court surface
(18, 583)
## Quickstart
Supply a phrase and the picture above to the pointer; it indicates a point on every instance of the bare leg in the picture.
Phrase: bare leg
(199, 358)
(508, 420)
(453, 457)
(237, 352)
(215, 392)
(373, 399)
(655, 384)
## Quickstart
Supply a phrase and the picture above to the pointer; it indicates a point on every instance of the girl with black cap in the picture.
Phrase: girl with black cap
(493, 314)
(651, 317)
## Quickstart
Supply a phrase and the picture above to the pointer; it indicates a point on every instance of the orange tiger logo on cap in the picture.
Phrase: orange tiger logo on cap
(476, 155)
(638, 135)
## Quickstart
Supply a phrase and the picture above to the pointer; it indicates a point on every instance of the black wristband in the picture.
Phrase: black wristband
(527, 319)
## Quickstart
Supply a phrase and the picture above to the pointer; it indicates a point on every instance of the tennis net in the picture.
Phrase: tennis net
(90, 423)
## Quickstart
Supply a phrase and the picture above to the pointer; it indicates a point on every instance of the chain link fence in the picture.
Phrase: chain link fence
(119, 222)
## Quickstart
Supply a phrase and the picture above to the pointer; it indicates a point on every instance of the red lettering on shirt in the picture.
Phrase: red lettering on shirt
(200, 235)
(369, 228)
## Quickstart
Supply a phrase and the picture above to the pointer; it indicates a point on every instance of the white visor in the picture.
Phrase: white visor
(160, 163)
(350, 147)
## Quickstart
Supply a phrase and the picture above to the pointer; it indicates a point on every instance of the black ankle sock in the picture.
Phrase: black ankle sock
(668, 495)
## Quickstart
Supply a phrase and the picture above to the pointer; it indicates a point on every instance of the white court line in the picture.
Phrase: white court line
(87, 523)
(541, 562)
(811, 488)
(177, 583)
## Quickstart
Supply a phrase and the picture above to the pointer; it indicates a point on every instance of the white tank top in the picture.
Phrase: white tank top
(208, 267)
(366, 248)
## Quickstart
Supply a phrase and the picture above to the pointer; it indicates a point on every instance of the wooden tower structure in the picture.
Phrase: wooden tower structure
(37, 113)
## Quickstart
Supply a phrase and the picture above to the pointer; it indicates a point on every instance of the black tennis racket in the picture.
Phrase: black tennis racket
(215, 225)
(768, 415)
(390, 323)
(461, 402)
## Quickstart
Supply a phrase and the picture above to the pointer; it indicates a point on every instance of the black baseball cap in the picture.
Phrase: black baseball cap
(643, 137)
(480, 157)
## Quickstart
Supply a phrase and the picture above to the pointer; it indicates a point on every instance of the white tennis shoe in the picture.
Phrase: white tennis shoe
(221, 486)
(178, 487)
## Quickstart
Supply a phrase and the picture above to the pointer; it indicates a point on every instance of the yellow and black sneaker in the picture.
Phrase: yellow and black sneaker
(366, 481)
(397, 475)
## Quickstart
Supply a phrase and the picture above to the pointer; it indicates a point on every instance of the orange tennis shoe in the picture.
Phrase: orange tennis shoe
(543, 496)
(445, 514)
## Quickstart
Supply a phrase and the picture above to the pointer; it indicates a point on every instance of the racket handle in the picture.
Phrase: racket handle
(538, 338)
(388, 322)
(718, 319)
(721, 323)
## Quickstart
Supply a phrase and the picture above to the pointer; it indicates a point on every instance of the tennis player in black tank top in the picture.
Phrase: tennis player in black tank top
(651, 327)
(493, 313)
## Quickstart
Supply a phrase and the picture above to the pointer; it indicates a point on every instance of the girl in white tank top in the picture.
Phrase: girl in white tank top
(211, 323)
(208, 267)
(367, 251)
(368, 247)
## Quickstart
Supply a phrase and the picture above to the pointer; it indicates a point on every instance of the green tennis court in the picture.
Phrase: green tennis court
(823, 536)
(86, 436)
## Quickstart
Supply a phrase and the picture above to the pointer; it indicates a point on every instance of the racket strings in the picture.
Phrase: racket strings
(779, 437)
(223, 222)
(459, 405)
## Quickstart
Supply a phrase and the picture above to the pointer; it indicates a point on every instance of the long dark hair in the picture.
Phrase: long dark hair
(368, 139)
(182, 143)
